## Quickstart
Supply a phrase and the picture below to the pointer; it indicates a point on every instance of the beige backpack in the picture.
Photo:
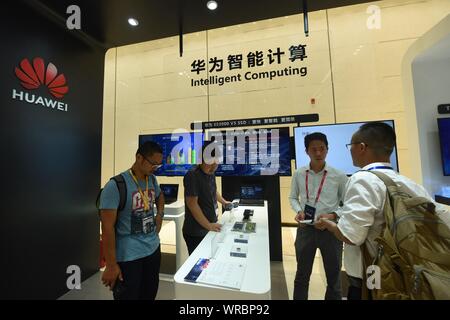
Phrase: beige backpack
(413, 250)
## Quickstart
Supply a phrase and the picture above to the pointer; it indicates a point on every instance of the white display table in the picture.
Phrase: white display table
(175, 212)
(256, 282)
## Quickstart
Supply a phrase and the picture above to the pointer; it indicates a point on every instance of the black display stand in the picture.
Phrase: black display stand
(271, 185)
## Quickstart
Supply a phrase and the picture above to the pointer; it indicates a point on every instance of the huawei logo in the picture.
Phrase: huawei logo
(33, 76)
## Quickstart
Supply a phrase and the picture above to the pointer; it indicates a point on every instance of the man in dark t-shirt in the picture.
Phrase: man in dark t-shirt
(200, 197)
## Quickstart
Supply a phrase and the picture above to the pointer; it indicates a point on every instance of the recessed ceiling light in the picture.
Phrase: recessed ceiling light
(212, 5)
(133, 22)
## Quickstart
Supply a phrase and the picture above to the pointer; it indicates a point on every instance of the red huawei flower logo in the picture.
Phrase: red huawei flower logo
(32, 77)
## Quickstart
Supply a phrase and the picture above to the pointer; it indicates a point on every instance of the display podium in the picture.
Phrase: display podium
(256, 279)
(231, 186)
(175, 212)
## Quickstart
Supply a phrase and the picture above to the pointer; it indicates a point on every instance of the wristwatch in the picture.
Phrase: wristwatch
(161, 214)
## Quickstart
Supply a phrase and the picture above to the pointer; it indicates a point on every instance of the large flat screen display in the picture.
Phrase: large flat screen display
(338, 135)
(444, 138)
(180, 151)
(253, 152)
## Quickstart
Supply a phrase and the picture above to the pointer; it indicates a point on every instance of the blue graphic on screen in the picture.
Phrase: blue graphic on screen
(257, 156)
(180, 154)
(338, 135)
(444, 137)
(197, 269)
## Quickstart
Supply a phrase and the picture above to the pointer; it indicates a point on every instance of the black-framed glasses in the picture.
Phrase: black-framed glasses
(349, 145)
(157, 165)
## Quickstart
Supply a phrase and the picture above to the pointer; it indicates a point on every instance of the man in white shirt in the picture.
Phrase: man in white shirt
(361, 218)
(317, 191)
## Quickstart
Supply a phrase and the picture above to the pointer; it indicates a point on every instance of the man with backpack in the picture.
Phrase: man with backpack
(390, 222)
(130, 229)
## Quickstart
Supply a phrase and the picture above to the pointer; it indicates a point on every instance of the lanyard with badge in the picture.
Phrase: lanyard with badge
(310, 210)
(143, 223)
(380, 167)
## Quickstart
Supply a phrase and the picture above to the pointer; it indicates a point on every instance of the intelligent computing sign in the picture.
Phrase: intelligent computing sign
(271, 60)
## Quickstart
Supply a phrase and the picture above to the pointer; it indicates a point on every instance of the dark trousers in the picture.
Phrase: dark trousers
(307, 241)
(192, 242)
(354, 288)
(140, 278)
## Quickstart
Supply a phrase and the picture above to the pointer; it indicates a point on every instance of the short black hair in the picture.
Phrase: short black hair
(379, 136)
(315, 136)
(149, 148)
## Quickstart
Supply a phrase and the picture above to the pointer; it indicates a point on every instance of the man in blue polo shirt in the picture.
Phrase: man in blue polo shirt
(130, 236)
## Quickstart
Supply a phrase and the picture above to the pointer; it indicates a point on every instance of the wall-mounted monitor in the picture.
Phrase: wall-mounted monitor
(338, 135)
(180, 151)
(444, 138)
(254, 152)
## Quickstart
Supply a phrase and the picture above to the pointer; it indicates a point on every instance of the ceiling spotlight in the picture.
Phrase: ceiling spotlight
(133, 22)
(212, 5)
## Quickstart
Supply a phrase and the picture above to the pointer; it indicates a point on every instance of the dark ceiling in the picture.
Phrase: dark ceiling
(105, 21)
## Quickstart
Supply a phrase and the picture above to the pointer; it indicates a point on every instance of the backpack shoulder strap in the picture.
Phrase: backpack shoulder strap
(366, 261)
(154, 182)
(152, 176)
(122, 186)
(384, 177)
(391, 188)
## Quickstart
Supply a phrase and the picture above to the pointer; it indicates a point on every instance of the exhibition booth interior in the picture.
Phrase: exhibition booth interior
(254, 76)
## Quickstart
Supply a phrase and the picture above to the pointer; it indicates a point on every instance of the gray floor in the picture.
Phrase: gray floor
(282, 276)
(93, 289)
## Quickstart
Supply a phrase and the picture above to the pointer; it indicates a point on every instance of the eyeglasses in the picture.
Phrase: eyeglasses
(348, 145)
(156, 165)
